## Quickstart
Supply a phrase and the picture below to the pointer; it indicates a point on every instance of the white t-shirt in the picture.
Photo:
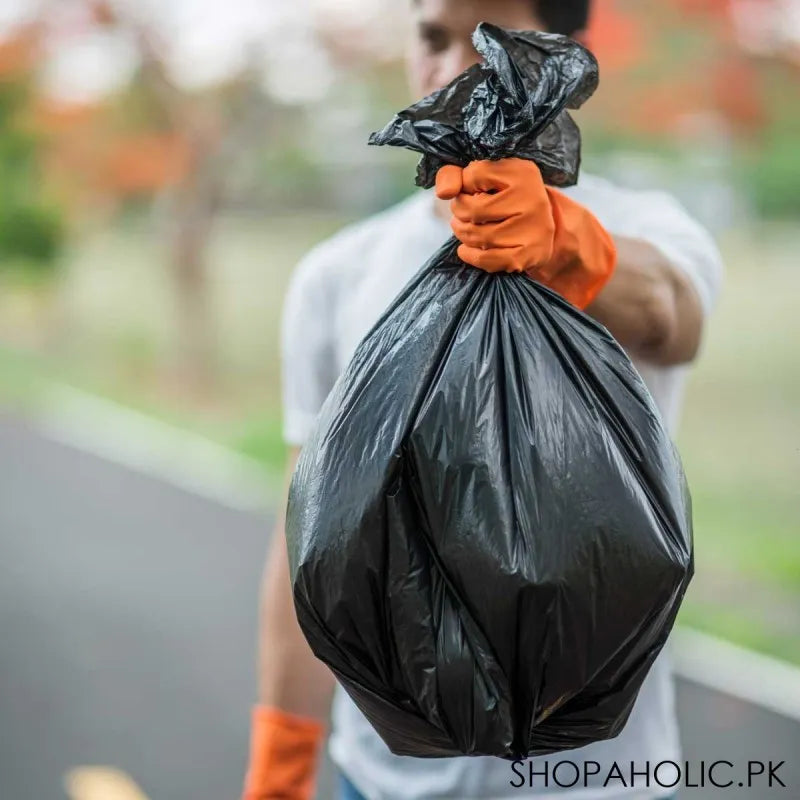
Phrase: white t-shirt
(336, 295)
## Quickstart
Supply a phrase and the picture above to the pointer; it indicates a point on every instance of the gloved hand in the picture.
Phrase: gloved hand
(509, 221)
(283, 756)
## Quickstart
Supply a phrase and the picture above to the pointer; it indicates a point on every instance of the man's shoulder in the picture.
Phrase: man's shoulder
(343, 260)
(625, 209)
(601, 194)
(348, 247)
(591, 187)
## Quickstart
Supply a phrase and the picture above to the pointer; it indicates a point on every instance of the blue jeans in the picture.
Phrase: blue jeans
(349, 792)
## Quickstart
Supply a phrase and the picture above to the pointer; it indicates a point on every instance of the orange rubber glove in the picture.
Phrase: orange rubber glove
(283, 756)
(508, 221)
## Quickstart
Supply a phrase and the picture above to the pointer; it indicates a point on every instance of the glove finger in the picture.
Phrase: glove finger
(489, 235)
(487, 176)
(481, 208)
(501, 259)
(448, 182)
(468, 234)
(484, 176)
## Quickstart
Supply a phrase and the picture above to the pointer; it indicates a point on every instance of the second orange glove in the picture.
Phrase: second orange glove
(508, 221)
(283, 756)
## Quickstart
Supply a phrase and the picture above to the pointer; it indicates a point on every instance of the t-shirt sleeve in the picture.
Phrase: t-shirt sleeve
(658, 218)
(307, 346)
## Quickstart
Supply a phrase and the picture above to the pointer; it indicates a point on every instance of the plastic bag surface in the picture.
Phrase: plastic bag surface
(510, 105)
(489, 529)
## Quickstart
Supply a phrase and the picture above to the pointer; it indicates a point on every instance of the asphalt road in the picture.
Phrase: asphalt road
(127, 621)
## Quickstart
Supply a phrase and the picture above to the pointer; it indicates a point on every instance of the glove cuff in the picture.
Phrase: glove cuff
(586, 255)
(283, 755)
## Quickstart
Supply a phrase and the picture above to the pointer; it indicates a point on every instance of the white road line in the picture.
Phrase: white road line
(205, 468)
(152, 447)
(736, 671)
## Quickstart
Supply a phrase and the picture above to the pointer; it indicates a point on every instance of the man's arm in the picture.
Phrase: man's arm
(651, 307)
(289, 676)
(295, 690)
(650, 277)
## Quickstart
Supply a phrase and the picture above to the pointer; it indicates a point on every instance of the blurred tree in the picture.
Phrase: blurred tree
(183, 145)
(31, 226)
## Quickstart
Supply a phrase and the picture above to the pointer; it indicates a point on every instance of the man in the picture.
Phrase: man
(638, 264)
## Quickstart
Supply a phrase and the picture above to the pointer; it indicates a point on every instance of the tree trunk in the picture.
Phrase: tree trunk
(196, 345)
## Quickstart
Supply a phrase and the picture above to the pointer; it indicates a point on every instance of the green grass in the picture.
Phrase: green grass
(27, 378)
(262, 439)
(107, 329)
(740, 441)
(743, 628)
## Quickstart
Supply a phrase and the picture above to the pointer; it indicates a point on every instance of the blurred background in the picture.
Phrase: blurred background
(163, 166)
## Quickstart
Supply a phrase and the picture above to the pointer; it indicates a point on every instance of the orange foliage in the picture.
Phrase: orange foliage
(56, 119)
(618, 40)
(717, 15)
(714, 8)
(144, 163)
(718, 78)
(74, 141)
(737, 95)
(662, 105)
(102, 12)
(18, 53)
(86, 159)
(90, 161)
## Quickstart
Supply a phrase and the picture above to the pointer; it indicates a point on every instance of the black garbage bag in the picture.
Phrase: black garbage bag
(489, 529)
